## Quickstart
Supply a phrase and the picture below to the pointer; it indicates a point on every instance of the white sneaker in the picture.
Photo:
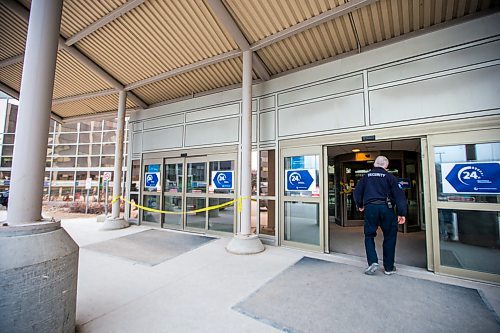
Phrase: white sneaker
(386, 272)
(370, 270)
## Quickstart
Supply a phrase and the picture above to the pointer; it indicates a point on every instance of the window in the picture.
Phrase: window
(462, 172)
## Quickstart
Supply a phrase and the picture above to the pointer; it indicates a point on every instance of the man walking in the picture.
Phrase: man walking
(375, 194)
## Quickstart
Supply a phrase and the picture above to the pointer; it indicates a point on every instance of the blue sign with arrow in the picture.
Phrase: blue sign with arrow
(471, 178)
(222, 179)
(152, 179)
(300, 179)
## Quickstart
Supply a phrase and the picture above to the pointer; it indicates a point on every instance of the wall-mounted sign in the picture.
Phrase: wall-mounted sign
(300, 180)
(471, 178)
(222, 180)
(404, 183)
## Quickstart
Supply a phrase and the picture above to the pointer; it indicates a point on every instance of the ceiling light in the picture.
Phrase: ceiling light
(356, 150)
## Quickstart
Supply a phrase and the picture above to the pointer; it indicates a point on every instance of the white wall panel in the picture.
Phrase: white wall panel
(212, 132)
(162, 139)
(267, 103)
(137, 126)
(321, 90)
(164, 121)
(453, 94)
(254, 128)
(215, 112)
(325, 115)
(267, 126)
(136, 143)
(438, 63)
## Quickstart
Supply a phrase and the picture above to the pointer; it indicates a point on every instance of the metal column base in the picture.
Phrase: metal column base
(38, 278)
(114, 224)
(245, 244)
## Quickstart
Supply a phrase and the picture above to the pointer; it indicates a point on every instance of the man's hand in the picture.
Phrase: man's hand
(401, 220)
(361, 209)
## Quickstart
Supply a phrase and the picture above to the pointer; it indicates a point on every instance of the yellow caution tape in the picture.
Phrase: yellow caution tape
(229, 203)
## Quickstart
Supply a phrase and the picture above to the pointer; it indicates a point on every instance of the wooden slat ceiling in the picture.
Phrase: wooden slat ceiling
(151, 38)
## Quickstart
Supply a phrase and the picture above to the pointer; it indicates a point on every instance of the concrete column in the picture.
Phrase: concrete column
(246, 143)
(32, 129)
(245, 242)
(115, 222)
(38, 259)
(117, 175)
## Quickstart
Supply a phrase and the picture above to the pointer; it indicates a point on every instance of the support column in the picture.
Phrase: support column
(115, 222)
(245, 242)
(38, 259)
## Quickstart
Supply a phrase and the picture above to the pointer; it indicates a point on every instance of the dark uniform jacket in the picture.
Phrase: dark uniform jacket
(378, 185)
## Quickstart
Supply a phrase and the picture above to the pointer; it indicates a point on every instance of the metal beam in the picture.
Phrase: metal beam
(12, 61)
(76, 98)
(331, 14)
(232, 28)
(15, 94)
(23, 13)
(184, 69)
(103, 21)
(9, 91)
(96, 116)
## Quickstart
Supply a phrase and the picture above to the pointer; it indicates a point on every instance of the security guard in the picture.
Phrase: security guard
(375, 194)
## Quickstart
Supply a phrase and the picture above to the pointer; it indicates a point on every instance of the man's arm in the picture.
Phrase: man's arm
(358, 194)
(400, 198)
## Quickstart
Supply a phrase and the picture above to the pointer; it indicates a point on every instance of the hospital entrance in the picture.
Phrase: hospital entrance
(347, 164)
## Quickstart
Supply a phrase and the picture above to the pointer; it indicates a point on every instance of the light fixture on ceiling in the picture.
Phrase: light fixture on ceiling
(356, 150)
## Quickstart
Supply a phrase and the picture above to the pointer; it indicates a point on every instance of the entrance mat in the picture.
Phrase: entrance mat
(150, 247)
(320, 296)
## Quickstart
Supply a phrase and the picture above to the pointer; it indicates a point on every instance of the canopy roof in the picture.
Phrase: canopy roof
(163, 51)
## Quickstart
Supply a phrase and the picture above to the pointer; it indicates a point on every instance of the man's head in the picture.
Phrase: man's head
(381, 162)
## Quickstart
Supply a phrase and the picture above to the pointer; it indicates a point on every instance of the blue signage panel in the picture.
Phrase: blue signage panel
(297, 162)
(154, 168)
(222, 179)
(468, 178)
(151, 179)
(300, 180)
(404, 183)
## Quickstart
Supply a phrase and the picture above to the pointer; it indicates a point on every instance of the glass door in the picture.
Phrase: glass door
(192, 184)
(151, 191)
(196, 187)
(465, 205)
(173, 196)
(221, 190)
(302, 210)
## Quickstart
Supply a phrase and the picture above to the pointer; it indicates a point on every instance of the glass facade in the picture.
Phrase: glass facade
(73, 155)
(467, 202)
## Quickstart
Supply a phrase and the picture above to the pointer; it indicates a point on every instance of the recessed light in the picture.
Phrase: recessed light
(356, 150)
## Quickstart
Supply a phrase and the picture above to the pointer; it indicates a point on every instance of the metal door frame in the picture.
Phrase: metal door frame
(302, 151)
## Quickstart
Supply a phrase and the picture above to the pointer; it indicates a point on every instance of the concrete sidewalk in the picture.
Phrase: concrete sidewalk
(195, 291)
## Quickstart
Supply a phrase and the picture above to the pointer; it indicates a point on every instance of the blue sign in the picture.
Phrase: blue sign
(154, 168)
(300, 179)
(151, 179)
(471, 178)
(222, 179)
(297, 162)
(404, 183)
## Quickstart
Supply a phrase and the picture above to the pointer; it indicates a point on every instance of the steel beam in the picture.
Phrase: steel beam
(23, 13)
(184, 69)
(12, 60)
(76, 98)
(128, 6)
(232, 28)
(331, 14)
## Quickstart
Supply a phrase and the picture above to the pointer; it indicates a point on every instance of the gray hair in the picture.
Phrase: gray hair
(381, 162)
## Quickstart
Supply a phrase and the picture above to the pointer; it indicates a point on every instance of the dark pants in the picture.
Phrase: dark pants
(375, 216)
